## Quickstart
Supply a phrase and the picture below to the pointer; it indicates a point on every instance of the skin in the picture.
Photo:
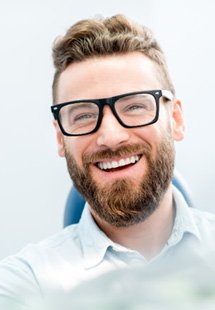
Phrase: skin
(105, 77)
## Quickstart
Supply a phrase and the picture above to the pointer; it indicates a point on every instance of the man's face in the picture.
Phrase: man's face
(140, 160)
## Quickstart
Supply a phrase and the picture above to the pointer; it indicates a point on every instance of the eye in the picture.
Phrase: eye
(84, 117)
(81, 112)
(136, 106)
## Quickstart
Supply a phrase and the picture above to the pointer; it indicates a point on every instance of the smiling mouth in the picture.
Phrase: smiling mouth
(122, 163)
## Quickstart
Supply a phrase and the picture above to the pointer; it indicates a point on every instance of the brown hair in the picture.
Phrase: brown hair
(102, 37)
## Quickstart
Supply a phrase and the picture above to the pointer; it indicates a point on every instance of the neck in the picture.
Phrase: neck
(148, 237)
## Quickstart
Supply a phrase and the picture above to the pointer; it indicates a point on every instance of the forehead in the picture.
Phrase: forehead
(108, 76)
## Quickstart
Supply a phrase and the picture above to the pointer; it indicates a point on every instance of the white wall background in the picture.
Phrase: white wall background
(33, 180)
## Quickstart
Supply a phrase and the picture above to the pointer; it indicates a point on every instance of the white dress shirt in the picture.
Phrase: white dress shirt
(82, 251)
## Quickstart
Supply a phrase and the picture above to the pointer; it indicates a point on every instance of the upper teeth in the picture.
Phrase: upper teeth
(120, 163)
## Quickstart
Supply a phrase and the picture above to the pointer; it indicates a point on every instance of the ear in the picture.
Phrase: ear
(60, 142)
(178, 124)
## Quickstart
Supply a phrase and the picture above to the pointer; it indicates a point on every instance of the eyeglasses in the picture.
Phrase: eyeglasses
(136, 109)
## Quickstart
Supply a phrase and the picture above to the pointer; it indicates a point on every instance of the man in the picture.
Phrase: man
(116, 119)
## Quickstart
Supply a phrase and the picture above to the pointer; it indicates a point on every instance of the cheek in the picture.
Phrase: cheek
(154, 134)
(151, 134)
(72, 147)
(77, 147)
(164, 122)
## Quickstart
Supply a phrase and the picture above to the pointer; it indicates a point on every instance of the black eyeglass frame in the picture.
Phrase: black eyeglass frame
(157, 94)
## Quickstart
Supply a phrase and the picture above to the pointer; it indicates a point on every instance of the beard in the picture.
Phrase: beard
(122, 203)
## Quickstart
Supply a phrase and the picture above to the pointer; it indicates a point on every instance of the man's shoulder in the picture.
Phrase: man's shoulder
(48, 264)
(60, 242)
(68, 234)
(65, 243)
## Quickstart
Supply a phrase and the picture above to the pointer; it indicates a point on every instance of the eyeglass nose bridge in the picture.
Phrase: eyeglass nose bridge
(110, 102)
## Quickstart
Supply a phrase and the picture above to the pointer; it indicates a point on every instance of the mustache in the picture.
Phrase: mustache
(126, 150)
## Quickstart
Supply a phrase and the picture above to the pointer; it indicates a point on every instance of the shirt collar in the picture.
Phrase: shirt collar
(94, 242)
(184, 221)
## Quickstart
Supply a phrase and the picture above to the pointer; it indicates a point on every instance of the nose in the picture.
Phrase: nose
(111, 133)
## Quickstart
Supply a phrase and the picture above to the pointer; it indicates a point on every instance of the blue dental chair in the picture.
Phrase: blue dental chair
(75, 202)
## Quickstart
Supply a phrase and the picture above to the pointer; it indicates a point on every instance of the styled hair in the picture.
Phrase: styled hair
(99, 37)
